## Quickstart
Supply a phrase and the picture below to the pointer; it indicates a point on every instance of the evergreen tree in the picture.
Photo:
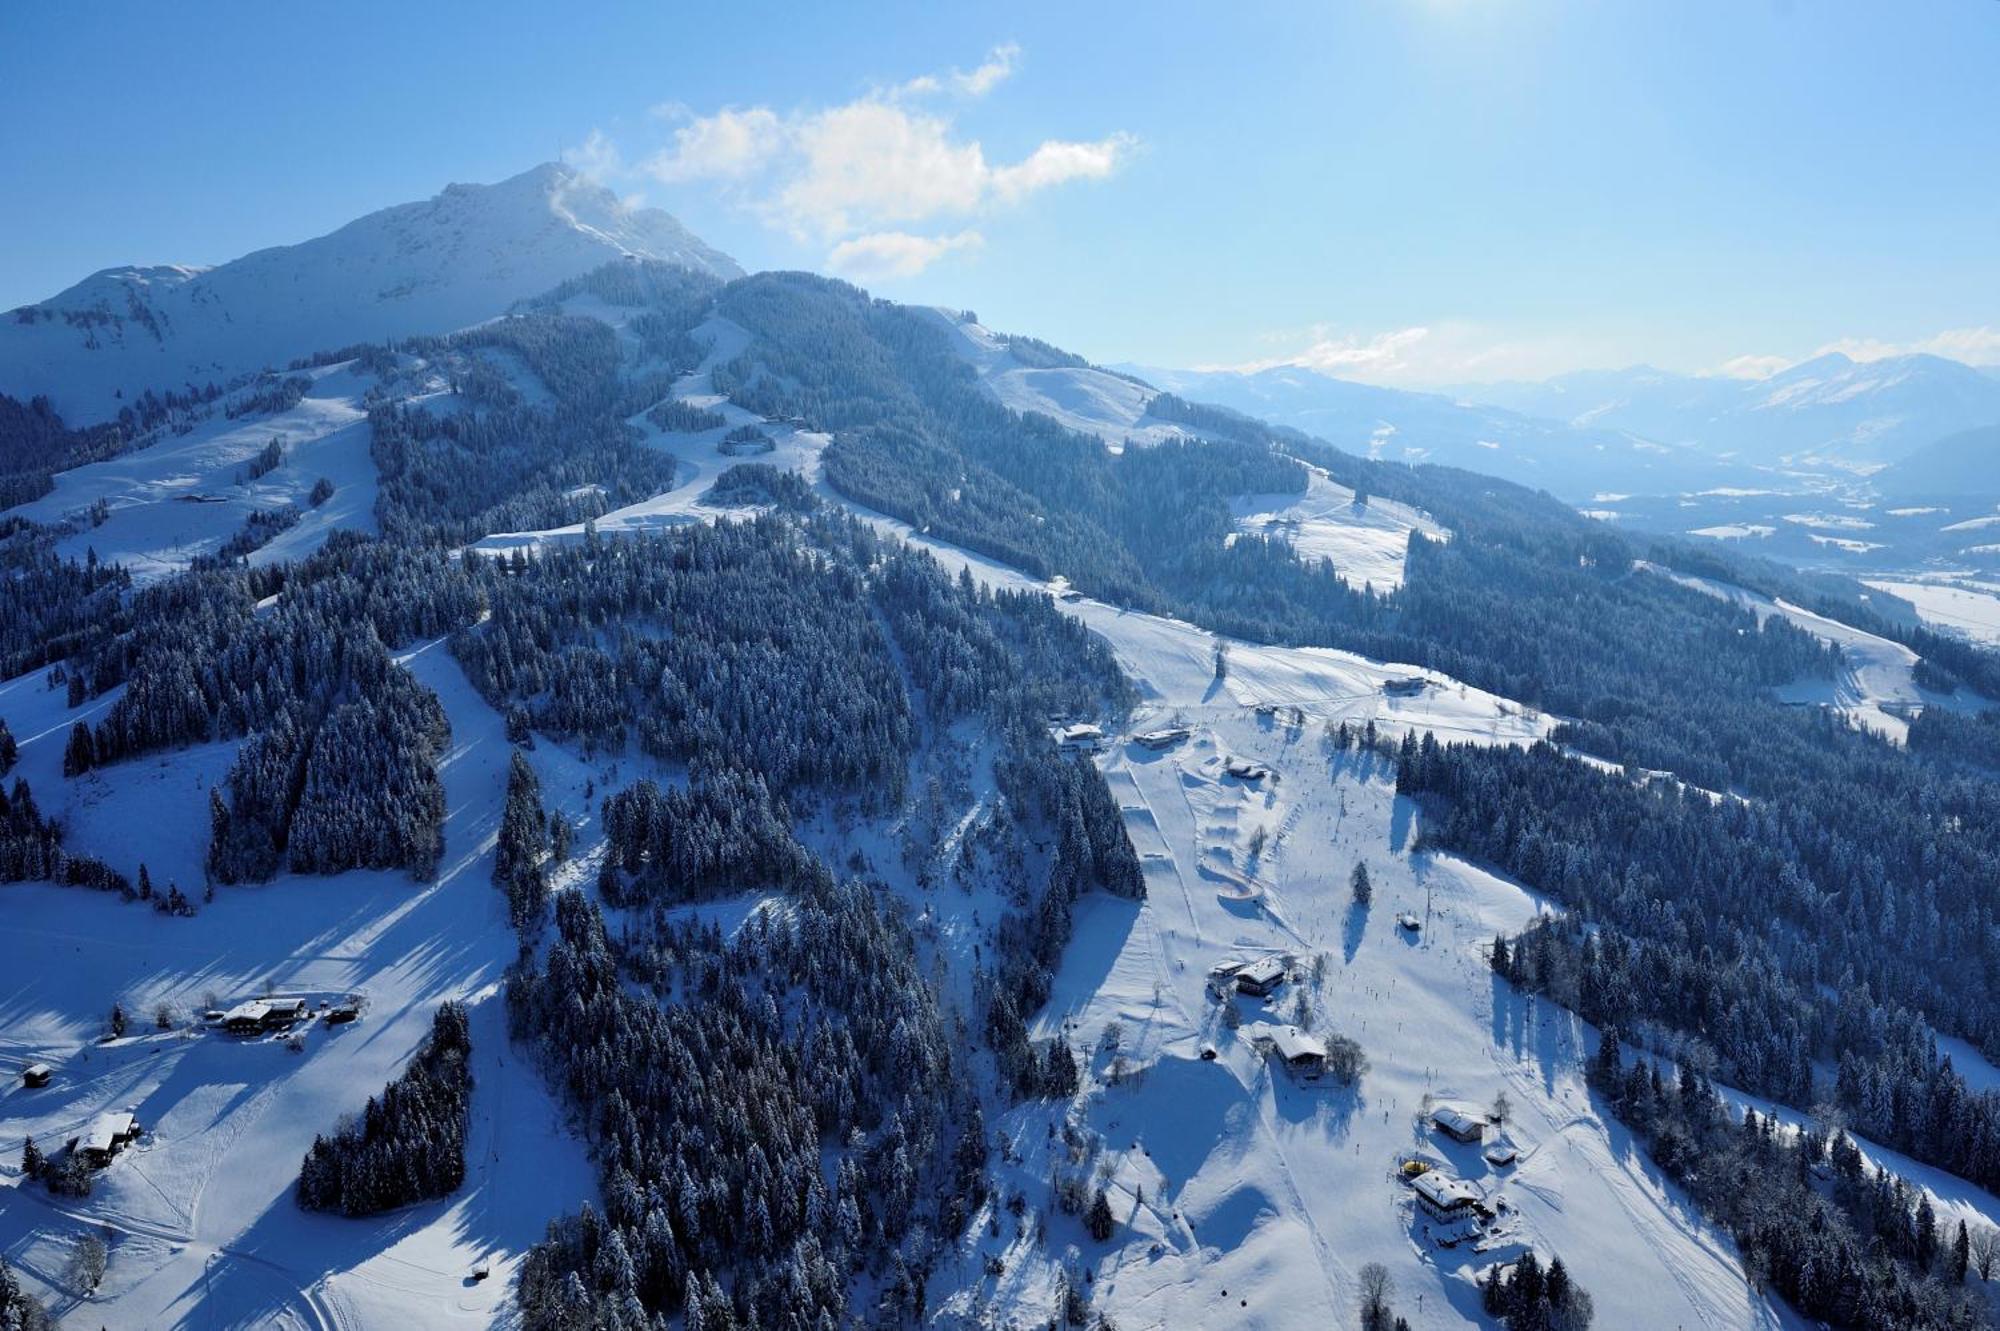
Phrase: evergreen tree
(80, 754)
(1099, 1220)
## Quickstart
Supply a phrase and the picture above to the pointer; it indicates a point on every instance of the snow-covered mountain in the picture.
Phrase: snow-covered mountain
(1966, 463)
(1831, 406)
(427, 267)
(1574, 460)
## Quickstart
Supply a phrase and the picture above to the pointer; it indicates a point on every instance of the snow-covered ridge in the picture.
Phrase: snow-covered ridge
(1081, 397)
(429, 267)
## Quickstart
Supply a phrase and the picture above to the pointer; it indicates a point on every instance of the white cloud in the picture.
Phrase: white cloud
(881, 254)
(869, 163)
(729, 145)
(597, 156)
(1421, 355)
(1974, 346)
(998, 68)
(868, 177)
(1752, 367)
(1058, 162)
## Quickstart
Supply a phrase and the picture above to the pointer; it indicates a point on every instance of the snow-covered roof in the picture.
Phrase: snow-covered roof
(36, 1070)
(253, 1010)
(1443, 1191)
(1454, 1119)
(1263, 970)
(106, 1129)
(1293, 1044)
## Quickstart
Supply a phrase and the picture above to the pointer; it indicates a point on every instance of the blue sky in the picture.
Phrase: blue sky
(1435, 191)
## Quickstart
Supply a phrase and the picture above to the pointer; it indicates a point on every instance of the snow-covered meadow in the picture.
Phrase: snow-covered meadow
(202, 1227)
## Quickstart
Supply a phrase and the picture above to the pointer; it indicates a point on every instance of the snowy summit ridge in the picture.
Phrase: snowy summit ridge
(455, 259)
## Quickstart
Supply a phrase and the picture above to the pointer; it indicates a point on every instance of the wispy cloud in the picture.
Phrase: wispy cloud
(1752, 367)
(885, 181)
(1974, 346)
(881, 254)
(1418, 355)
(1453, 351)
(989, 74)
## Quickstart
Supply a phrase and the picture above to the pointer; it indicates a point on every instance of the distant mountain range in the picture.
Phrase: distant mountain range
(456, 259)
(1573, 460)
(1649, 431)
(1830, 409)
(1966, 463)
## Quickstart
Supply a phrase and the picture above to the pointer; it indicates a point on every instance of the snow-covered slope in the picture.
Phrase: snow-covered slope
(188, 493)
(1968, 608)
(1368, 544)
(1082, 397)
(1964, 463)
(428, 267)
(199, 1214)
(1876, 687)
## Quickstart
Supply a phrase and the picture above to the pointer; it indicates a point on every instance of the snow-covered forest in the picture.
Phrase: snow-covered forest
(1123, 865)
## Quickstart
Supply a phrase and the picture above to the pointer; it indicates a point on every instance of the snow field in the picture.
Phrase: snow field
(181, 497)
(1875, 682)
(1368, 545)
(1277, 1192)
(1081, 398)
(205, 1229)
(1971, 610)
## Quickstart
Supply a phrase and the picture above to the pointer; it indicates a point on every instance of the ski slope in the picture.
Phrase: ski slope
(698, 458)
(1368, 545)
(1875, 687)
(1082, 398)
(187, 494)
(1263, 1198)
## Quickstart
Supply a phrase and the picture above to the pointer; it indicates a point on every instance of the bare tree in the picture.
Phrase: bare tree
(87, 1260)
(1376, 1290)
(1985, 1241)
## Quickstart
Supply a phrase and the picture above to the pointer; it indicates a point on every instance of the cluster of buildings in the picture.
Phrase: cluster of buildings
(1453, 1208)
(1259, 978)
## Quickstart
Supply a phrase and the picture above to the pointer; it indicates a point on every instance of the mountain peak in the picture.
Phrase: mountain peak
(464, 255)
